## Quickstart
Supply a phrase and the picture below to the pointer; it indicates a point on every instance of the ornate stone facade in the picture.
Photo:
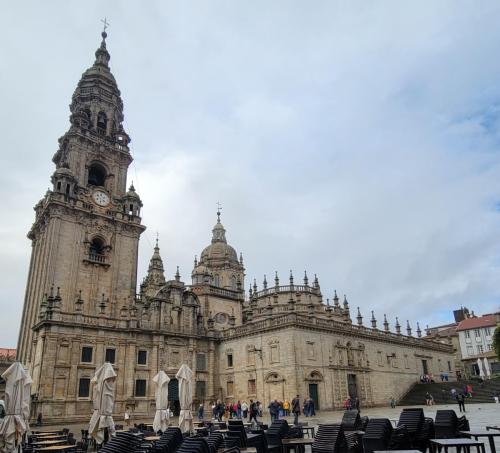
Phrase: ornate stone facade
(82, 308)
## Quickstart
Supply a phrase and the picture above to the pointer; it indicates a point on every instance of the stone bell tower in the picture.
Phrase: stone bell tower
(87, 226)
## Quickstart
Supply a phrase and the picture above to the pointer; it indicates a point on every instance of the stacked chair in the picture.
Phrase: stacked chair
(278, 430)
(447, 425)
(169, 441)
(236, 430)
(215, 441)
(419, 430)
(329, 439)
(351, 420)
(194, 445)
(378, 435)
(122, 442)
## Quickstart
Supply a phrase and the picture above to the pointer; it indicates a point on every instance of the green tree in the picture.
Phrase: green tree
(496, 342)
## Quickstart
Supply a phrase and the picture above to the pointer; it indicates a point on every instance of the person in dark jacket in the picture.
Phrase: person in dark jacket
(296, 409)
(461, 401)
(273, 410)
(253, 411)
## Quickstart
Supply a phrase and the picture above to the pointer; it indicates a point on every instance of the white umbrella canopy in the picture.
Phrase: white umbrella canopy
(160, 422)
(103, 397)
(480, 366)
(185, 377)
(17, 407)
(487, 368)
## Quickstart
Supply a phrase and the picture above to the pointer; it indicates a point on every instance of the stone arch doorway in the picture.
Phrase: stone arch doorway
(173, 396)
(313, 380)
(274, 387)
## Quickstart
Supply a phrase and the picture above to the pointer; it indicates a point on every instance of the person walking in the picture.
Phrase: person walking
(238, 409)
(286, 408)
(244, 409)
(126, 417)
(201, 412)
(461, 402)
(296, 409)
(427, 399)
(392, 402)
(253, 411)
(312, 410)
(273, 410)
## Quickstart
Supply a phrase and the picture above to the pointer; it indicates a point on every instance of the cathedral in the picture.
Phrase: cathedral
(82, 306)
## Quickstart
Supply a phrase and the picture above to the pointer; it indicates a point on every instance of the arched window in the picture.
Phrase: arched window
(97, 175)
(96, 247)
(102, 121)
(233, 283)
(216, 280)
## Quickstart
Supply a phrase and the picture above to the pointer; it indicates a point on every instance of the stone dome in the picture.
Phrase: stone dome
(219, 250)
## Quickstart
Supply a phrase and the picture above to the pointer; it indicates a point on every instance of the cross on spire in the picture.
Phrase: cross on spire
(219, 207)
(106, 23)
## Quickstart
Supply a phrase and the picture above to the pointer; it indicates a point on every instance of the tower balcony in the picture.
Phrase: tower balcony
(96, 258)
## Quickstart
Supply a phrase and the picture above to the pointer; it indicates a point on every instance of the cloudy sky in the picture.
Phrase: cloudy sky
(357, 140)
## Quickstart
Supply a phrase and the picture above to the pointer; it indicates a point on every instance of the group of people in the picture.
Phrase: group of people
(351, 403)
(253, 409)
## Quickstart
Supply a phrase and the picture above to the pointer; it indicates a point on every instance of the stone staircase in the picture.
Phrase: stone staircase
(481, 393)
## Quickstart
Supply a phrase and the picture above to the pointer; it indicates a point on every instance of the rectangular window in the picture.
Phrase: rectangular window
(87, 354)
(407, 365)
(200, 389)
(201, 362)
(140, 387)
(449, 365)
(477, 333)
(467, 334)
(487, 331)
(110, 355)
(480, 349)
(84, 388)
(380, 359)
(230, 361)
(470, 351)
(275, 353)
(440, 365)
(142, 357)
(251, 356)
(230, 388)
(490, 347)
(252, 389)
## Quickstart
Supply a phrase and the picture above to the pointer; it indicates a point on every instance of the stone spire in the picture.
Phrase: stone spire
(419, 332)
(218, 232)
(241, 258)
(264, 283)
(276, 279)
(398, 326)
(177, 275)
(359, 317)
(156, 273)
(195, 261)
(306, 280)
(335, 299)
(386, 323)
(254, 285)
(408, 328)
(373, 321)
(316, 282)
(346, 312)
(102, 56)
(291, 278)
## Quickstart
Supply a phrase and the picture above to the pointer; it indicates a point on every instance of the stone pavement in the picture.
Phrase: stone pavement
(479, 415)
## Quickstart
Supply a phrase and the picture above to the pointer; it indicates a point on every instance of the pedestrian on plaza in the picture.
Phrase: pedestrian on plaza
(273, 410)
(260, 407)
(126, 417)
(356, 403)
(469, 391)
(220, 410)
(38, 419)
(347, 403)
(427, 399)
(201, 412)
(305, 408)
(296, 409)
(312, 411)
(244, 409)
(461, 402)
(495, 396)
(444, 395)
(214, 410)
(253, 411)
(392, 402)
(453, 393)
(238, 409)
(286, 408)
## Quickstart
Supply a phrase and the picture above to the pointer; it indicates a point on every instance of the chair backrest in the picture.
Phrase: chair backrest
(413, 419)
(351, 420)
(330, 438)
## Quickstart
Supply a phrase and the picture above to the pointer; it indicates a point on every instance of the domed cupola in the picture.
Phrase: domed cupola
(132, 203)
(219, 261)
(64, 180)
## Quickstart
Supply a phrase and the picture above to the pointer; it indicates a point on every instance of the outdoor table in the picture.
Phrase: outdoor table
(49, 436)
(221, 431)
(309, 430)
(466, 443)
(288, 444)
(57, 448)
(490, 435)
(151, 438)
(49, 442)
(493, 427)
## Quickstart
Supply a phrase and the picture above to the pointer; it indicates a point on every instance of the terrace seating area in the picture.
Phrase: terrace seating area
(412, 431)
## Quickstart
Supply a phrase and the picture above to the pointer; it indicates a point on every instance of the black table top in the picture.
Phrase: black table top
(455, 442)
(480, 433)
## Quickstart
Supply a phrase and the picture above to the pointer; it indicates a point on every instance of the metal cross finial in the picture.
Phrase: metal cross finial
(219, 207)
(105, 24)
(157, 237)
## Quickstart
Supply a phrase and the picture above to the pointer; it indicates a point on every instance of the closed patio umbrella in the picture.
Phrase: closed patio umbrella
(480, 366)
(160, 422)
(487, 369)
(103, 397)
(185, 377)
(17, 407)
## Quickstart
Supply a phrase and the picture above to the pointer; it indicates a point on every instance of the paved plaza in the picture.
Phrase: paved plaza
(479, 415)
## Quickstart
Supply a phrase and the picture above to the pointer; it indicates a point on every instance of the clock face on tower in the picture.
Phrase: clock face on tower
(101, 198)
